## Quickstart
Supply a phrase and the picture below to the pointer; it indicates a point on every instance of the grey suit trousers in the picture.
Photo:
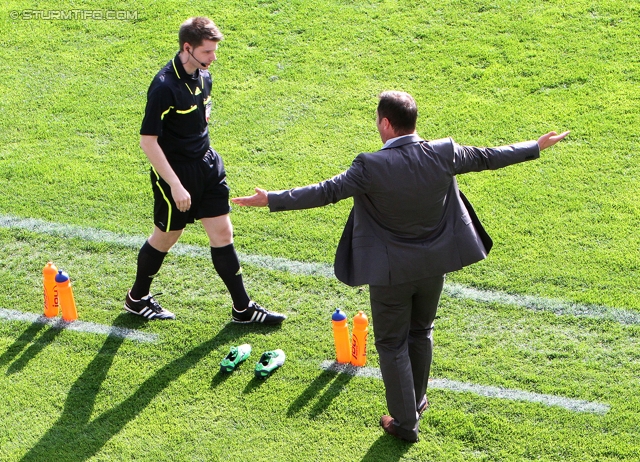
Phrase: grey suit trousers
(403, 317)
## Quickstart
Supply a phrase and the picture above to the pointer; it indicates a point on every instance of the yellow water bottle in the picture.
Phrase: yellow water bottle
(359, 339)
(67, 303)
(341, 336)
(51, 304)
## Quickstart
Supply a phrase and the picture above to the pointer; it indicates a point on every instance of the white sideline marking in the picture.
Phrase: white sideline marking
(558, 307)
(575, 405)
(79, 326)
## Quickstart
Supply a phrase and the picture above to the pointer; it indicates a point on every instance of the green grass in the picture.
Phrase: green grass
(294, 98)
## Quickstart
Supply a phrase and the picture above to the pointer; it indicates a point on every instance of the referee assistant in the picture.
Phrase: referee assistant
(187, 175)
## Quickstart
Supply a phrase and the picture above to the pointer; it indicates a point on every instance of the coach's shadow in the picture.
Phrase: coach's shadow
(386, 448)
(78, 438)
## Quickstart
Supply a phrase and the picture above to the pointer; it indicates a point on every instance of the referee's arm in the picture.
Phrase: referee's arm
(158, 160)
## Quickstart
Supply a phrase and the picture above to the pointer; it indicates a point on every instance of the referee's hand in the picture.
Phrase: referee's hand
(181, 197)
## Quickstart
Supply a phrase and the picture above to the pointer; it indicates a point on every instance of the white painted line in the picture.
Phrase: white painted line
(79, 326)
(575, 405)
(558, 307)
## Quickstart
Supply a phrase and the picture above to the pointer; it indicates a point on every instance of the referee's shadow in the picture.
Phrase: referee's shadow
(78, 437)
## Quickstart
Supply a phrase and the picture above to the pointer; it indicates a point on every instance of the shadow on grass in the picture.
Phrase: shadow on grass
(387, 448)
(219, 378)
(36, 347)
(330, 394)
(254, 383)
(315, 388)
(75, 438)
(30, 334)
(20, 343)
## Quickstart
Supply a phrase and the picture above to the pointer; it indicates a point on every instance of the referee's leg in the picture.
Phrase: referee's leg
(225, 259)
(162, 240)
(150, 259)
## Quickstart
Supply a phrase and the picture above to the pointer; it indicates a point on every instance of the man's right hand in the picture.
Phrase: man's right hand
(549, 139)
(158, 160)
(181, 197)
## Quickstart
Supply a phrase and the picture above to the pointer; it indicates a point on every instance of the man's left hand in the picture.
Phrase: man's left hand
(259, 199)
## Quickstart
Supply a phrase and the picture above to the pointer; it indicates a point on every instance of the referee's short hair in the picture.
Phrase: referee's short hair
(400, 109)
(197, 29)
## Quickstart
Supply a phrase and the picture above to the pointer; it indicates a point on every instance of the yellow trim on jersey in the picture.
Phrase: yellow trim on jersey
(187, 111)
(189, 88)
(168, 227)
(197, 91)
(173, 61)
(165, 113)
(207, 100)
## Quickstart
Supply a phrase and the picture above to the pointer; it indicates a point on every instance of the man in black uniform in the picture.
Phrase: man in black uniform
(187, 175)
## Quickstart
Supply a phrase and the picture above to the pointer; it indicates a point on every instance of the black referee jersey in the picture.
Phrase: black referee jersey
(178, 110)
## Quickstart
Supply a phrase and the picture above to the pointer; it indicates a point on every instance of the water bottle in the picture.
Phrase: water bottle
(359, 339)
(67, 303)
(341, 336)
(51, 304)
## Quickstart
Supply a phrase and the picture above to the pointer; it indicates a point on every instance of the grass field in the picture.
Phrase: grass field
(294, 96)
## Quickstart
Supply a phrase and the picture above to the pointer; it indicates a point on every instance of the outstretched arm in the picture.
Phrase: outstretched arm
(355, 180)
(475, 159)
(551, 138)
(259, 199)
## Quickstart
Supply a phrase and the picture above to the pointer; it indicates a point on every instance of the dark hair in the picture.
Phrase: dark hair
(195, 30)
(400, 109)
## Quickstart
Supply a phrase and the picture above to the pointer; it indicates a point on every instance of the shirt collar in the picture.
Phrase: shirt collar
(399, 139)
(179, 69)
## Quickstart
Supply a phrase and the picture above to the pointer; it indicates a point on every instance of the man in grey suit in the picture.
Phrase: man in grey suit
(409, 226)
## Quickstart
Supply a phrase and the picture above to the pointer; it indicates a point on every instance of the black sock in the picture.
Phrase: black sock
(225, 261)
(149, 263)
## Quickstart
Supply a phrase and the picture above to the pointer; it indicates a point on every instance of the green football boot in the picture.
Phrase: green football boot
(236, 356)
(269, 362)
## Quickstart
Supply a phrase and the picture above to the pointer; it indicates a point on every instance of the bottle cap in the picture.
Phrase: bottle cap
(62, 276)
(360, 318)
(338, 315)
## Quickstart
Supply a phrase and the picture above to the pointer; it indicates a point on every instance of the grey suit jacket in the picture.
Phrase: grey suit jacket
(409, 220)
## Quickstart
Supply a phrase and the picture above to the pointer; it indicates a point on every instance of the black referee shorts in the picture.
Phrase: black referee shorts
(206, 181)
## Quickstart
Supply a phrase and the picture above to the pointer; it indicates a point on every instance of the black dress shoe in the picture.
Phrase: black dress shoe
(386, 422)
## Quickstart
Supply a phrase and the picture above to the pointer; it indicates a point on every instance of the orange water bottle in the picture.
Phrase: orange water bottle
(359, 339)
(51, 304)
(67, 303)
(341, 336)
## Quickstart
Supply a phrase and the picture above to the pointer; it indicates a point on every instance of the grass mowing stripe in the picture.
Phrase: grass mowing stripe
(575, 405)
(531, 302)
(79, 326)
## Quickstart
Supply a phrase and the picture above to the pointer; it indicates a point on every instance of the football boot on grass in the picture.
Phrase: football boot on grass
(269, 362)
